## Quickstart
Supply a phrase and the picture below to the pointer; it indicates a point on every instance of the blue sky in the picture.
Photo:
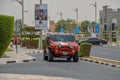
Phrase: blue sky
(86, 12)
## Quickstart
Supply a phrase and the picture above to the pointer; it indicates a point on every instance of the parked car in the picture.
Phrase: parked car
(94, 41)
(60, 45)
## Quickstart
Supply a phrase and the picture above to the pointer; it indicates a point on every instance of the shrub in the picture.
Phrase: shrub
(114, 40)
(6, 32)
(31, 44)
(84, 50)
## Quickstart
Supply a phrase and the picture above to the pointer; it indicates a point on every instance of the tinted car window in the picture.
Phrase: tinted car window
(65, 38)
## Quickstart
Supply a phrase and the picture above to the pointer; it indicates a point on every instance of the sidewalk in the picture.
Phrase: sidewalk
(12, 57)
(31, 77)
(113, 44)
(20, 57)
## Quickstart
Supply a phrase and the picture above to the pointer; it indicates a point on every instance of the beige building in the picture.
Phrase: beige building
(52, 26)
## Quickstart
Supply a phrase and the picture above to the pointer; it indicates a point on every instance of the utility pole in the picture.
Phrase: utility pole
(40, 39)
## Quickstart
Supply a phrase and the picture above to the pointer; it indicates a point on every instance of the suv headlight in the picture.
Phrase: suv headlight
(71, 47)
(59, 46)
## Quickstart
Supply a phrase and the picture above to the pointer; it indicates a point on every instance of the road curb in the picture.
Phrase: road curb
(19, 61)
(19, 58)
(111, 46)
(32, 52)
(101, 62)
(26, 58)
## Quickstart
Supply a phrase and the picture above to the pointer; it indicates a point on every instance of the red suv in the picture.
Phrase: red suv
(61, 45)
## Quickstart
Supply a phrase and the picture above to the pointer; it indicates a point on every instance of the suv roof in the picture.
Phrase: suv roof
(59, 34)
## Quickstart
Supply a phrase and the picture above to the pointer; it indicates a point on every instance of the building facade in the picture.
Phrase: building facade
(52, 26)
(109, 19)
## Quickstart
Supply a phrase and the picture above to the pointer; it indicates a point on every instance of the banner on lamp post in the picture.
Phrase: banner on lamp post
(41, 15)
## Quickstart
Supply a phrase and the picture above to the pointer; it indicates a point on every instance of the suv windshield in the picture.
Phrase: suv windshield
(64, 38)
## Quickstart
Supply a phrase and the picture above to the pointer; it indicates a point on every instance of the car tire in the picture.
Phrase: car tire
(76, 57)
(50, 56)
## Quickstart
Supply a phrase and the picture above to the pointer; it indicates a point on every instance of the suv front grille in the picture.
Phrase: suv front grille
(65, 47)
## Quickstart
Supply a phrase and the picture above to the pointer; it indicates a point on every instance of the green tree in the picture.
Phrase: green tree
(59, 24)
(84, 26)
(93, 25)
(29, 32)
(68, 25)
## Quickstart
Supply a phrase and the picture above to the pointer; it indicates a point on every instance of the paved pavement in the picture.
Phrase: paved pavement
(21, 56)
(31, 77)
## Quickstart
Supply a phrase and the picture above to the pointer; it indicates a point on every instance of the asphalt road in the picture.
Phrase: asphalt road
(61, 68)
(106, 52)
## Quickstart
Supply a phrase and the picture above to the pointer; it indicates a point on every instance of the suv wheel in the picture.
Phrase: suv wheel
(69, 59)
(44, 56)
(50, 56)
(76, 57)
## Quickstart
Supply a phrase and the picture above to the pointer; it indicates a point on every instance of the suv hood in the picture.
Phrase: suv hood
(65, 43)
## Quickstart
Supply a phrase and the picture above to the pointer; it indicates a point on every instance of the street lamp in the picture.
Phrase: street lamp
(61, 25)
(60, 14)
(22, 4)
(76, 10)
(95, 5)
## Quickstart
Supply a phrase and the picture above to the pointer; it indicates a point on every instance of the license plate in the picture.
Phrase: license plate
(64, 53)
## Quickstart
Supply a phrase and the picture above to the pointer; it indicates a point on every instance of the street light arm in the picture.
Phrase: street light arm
(94, 5)
(20, 2)
(75, 9)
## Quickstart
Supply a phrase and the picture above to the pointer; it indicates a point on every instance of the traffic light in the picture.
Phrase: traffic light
(105, 27)
(113, 26)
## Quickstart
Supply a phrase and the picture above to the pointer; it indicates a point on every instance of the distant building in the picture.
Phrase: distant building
(109, 19)
(52, 26)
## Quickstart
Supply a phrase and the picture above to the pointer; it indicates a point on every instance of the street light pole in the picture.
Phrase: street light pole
(95, 5)
(40, 39)
(61, 15)
(22, 4)
(76, 15)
